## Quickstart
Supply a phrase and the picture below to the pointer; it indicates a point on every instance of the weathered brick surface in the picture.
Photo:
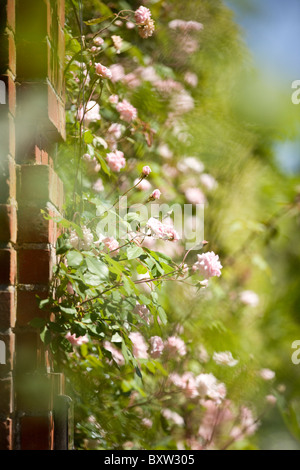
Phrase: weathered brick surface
(32, 117)
(7, 178)
(5, 434)
(6, 396)
(7, 135)
(39, 184)
(28, 351)
(28, 307)
(36, 432)
(8, 223)
(8, 266)
(7, 52)
(7, 309)
(35, 266)
(33, 227)
(7, 15)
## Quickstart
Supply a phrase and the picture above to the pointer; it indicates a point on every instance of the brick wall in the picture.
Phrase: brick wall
(31, 123)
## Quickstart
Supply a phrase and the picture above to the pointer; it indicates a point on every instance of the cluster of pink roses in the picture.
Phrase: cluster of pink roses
(116, 160)
(160, 230)
(144, 21)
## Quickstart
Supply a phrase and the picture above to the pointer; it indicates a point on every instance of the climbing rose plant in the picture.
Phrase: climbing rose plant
(137, 379)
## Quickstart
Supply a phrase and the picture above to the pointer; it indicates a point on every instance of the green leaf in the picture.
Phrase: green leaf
(92, 280)
(45, 335)
(68, 310)
(144, 300)
(43, 303)
(162, 315)
(116, 338)
(38, 322)
(98, 268)
(88, 137)
(128, 285)
(134, 252)
(141, 269)
(74, 258)
(104, 166)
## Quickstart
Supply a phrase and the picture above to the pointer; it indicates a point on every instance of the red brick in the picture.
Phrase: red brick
(27, 306)
(27, 351)
(11, 14)
(7, 178)
(33, 227)
(7, 135)
(7, 309)
(30, 351)
(35, 266)
(8, 53)
(33, 392)
(12, 53)
(9, 341)
(8, 223)
(56, 112)
(6, 396)
(8, 266)
(36, 432)
(44, 157)
(38, 183)
(6, 434)
(61, 12)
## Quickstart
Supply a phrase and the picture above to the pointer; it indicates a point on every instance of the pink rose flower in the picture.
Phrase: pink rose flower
(146, 170)
(147, 422)
(195, 196)
(115, 352)
(175, 345)
(115, 130)
(98, 186)
(116, 160)
(157, 346)
(143, 312)
(127, 112)
(144, 185)
(173, 416)
(113, 99)
(117, 72)
(165, 231)
(91, 114)
(139, 346)
(103, 71)
(248, 297)
(76, 341)
(112, 245)
(142, 15)
(93, 165)
(267, 374)
(130, 25)
(98, 41)
(155, 194)
(208, 265)
(271, 399)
